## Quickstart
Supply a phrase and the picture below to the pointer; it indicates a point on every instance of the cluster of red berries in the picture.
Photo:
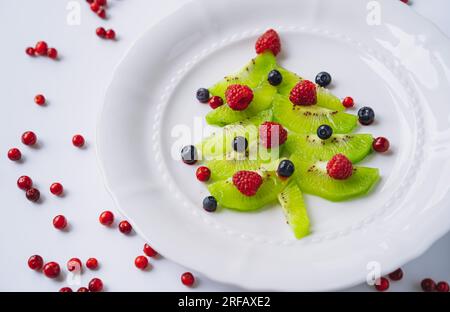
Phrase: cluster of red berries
(41, 49)
(105, 34)
(107, 219)
(427, 284)
(98, 7)
(53, 270)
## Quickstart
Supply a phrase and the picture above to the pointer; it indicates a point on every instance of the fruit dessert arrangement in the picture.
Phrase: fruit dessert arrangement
(282, 136)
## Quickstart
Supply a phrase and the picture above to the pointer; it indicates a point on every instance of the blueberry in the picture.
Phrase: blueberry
(323, 79)
(210, 204)
(285, 168)
(189, 154)
(324, 132)
(240, 144)
(366, 115)
(275, 77)
(203, 95)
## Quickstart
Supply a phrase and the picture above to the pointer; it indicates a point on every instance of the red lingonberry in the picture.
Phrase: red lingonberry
(141, 262)
(187, 279)
(35, 262)
(203, 173)
(14, 154)
(348, 102)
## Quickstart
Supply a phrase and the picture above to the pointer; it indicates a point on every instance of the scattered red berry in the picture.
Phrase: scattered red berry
(272, 130)
(60, 222)
(396, 275)
(39, 99)
(33, 194)
(35, 262)
(102, 2)
(110, 34)
(95, 285)
(215, 102)
(339, 167)
(30, 51)
(348, 102)
(382, 284)
(238, 96)
(83, 289)
(149, 251)
(78, 140)
(106, 218)
(74, 264)
(92, 263)
(56, 188)
(51, 269)
(141, 262)
(380, 145)
(268, 41)
(14, 154)
(125, 227)
(66, 289)
(41, 48)
(95, 6)
(428, 285)
(187, 279)
(247, 182)
(442, 287)
(52, 53)
(29, 138)
(24, 183)
(203, 173)
(304, 93)
(101, 13)
(405, 1)
(101, 32)
(89, 1)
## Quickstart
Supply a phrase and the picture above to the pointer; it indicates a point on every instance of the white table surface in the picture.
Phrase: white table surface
(74, 88)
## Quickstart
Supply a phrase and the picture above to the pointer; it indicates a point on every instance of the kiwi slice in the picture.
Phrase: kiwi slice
(310, 147)
(262, 100)
(220, 143)
(306, 119)
(291, 200)
(228, 196)
(324, 97)
(252, 75)
(222, 169)
(312, 178)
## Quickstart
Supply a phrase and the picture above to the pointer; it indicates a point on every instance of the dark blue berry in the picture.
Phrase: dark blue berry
(275, 77)
(324, 132)
(323, 79)
(203, 95)
(189, 154)
(210, 204)
(240, 144)
(285, 168)
(366, 115)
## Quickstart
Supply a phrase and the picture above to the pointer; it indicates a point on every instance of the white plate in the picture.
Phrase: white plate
(400, 67)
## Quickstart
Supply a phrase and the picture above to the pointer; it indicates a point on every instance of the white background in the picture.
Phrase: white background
(74, 87)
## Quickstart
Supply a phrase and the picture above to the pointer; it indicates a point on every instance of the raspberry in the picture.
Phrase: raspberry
(304, 93)
(238, 96)
(339, 167)
(247, 182)
(272, 130)
(268, 41)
